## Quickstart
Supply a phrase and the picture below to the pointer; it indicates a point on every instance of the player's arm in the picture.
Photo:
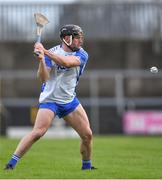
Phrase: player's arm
(66, 61)
(43, 72)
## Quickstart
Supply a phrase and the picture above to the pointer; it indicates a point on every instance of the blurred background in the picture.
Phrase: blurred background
(117, 89)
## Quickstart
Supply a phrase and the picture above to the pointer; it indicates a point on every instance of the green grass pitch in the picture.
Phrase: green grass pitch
(116, 157)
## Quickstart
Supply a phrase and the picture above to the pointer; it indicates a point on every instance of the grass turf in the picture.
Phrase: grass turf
(116, 157)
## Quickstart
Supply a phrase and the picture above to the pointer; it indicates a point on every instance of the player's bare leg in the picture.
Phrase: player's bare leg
(42, 123)
(79, 121)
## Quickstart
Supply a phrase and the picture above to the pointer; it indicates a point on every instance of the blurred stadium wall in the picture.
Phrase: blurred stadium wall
(123, 38)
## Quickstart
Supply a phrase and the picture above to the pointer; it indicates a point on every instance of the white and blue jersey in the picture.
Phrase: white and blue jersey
(60, 88)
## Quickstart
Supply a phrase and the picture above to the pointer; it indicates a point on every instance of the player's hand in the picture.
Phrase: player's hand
(39, 46)
(39, 50)
(39, 53)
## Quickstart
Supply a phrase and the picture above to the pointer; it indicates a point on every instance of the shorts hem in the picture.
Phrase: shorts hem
(48, 108)
(70, 111)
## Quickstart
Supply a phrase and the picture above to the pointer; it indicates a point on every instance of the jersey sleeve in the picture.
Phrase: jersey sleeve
(83, 56)
(48, 62)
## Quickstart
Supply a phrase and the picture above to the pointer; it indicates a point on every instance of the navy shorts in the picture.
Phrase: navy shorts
(61, 110)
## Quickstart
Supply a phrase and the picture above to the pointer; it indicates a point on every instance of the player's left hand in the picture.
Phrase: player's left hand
(39, 46)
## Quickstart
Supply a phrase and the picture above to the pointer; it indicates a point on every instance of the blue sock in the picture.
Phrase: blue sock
(86, 164)
(14, 160)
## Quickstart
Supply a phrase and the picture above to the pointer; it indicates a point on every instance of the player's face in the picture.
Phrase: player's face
(78, 41)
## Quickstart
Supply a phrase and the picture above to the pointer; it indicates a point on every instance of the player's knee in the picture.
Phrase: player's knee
(87, 137)
(37, 134)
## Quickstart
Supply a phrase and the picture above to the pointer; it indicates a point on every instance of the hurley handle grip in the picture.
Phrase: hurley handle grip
(37, 53)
